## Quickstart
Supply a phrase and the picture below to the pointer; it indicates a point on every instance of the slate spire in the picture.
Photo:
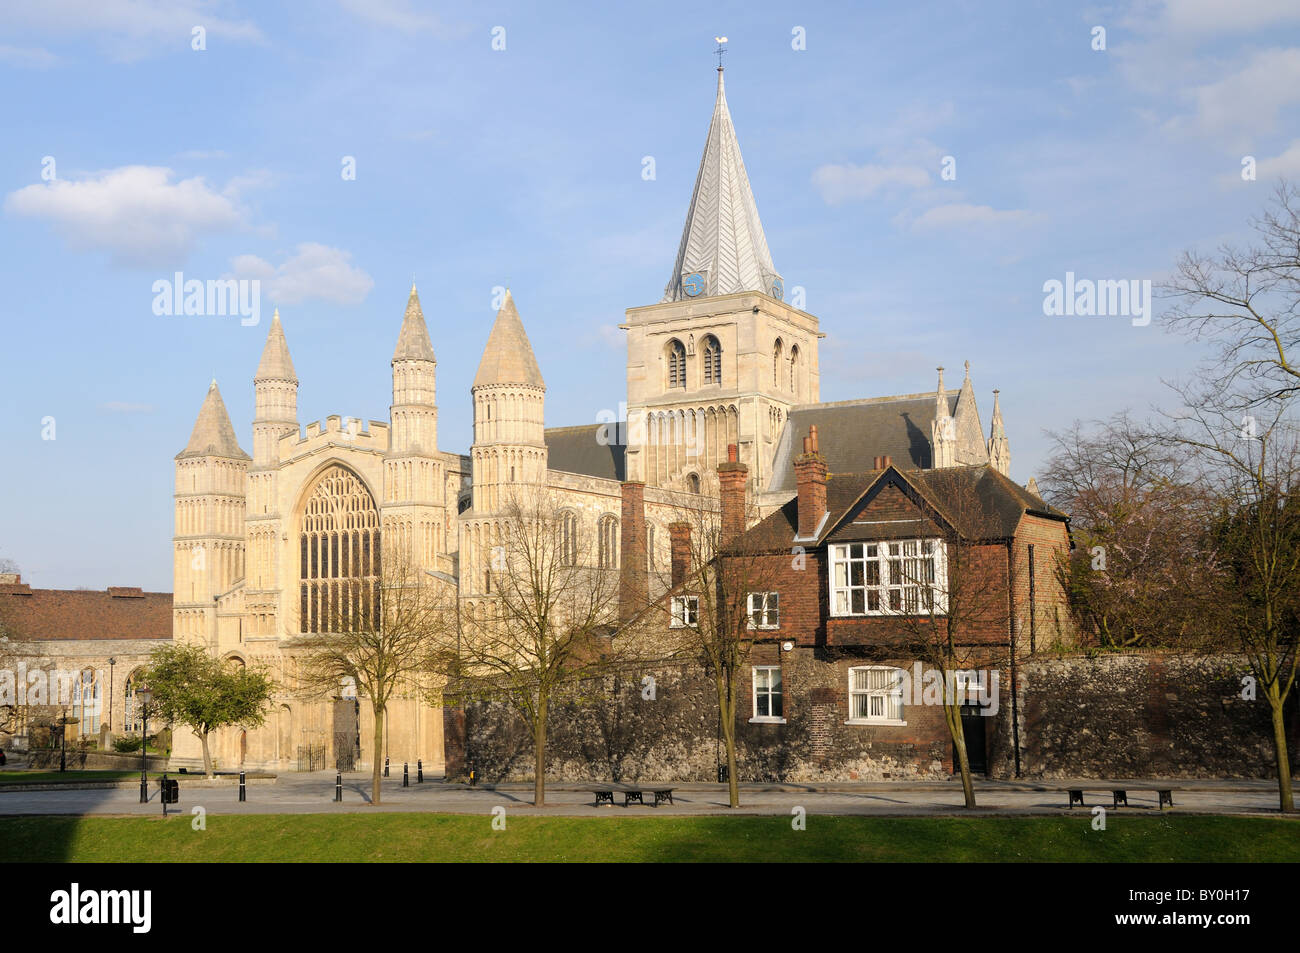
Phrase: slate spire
(276, 365)
(413, 342)
(508, 357)
(213, 434)
(723, 241)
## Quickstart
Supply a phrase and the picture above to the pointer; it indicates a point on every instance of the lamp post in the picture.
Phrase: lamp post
(111, 663)
(145, 694)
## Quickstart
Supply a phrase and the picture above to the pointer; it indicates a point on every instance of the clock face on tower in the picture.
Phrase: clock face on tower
(693, 284)
(778, 289)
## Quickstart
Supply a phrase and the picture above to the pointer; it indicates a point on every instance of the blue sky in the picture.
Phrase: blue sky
(476, 167)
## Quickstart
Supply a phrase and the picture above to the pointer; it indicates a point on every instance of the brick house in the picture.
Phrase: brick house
(862, 577)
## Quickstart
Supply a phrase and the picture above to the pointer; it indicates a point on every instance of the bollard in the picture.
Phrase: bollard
(338, 788)
(385, 767)
(419, 771)
(242, 794)
(406, 774)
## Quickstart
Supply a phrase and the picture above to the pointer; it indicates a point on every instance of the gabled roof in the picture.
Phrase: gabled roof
(413, 341)
(579, 450)
(508, 357)
(853, 433)
(1000, 505)
(213, 435)
(276, 365)
(723, 238)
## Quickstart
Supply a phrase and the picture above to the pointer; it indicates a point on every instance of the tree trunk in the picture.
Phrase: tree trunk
(539, 752)
(952, 715)
(727, 711)
(207, 755)
(377, 771)
(1285, 798)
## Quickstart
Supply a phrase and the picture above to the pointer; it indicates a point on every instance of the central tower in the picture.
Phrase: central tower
(722, 358)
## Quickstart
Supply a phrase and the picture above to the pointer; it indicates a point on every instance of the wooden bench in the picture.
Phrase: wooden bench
(631, 794)
(1119, 796)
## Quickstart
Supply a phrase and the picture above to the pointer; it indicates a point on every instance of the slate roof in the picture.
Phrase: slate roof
(999, 497)
(853, 433)
(578, 450)
(120, 612)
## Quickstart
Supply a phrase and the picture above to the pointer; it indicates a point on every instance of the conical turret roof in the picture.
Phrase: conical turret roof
(723, 241)
(508, 357)
(413, 341)
(276, 365)
(213, 435)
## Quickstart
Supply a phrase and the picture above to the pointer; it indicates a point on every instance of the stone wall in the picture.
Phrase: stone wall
(1134, 715)
(1118, 716)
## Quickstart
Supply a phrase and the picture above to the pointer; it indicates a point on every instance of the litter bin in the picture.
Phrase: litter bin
(171, 791)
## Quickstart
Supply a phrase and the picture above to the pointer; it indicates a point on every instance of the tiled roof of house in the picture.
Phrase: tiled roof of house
(995, 508)
(120, 612)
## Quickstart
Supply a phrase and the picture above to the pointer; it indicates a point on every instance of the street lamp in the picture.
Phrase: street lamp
(145, 694)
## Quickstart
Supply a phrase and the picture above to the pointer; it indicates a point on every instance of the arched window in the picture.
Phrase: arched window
(339, 559)
(693, 482)
(794, 368)
(131, 712)
(608, 543)
(712, 360)
(777, 349)
(568, 539)
(676, 364)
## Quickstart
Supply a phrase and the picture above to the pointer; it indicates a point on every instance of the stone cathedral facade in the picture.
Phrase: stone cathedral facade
(269, 545)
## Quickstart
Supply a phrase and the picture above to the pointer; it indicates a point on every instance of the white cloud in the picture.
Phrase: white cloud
(397, 14)
(1248, 100)
(1286, 165)
(844, 183)
(1215, 18)
(135, 213)
(27, 57)
(962, 215)
(129, 29)
(314, 272)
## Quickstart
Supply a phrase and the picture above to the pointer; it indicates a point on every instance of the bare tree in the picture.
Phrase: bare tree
(1246, 300)
(708, 612)
(1143, 571)
(537, 627)
(384, 637)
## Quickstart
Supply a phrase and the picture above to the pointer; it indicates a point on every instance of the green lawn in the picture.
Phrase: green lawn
(445, 837)
(71, 776)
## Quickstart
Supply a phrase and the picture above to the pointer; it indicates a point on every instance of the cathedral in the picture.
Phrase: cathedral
(266, 544)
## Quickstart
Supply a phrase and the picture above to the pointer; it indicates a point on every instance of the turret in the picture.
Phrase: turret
(999, 450)
(943, 431)
(509, 404)
(276, 388)
(415, 404)
(210, 501)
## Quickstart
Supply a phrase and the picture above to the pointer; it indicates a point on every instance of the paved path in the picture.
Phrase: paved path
(314, 793)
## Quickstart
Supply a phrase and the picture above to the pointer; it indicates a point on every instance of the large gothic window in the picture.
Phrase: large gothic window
(338, 548)
(712, 360)
(776, 363)
(676, 364)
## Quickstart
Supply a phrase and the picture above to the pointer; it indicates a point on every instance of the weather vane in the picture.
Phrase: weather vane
(720, 50)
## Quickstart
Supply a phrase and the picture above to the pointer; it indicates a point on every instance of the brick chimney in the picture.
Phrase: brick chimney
(633, 572)
(810, 475)
(680, 534)
(733, 479)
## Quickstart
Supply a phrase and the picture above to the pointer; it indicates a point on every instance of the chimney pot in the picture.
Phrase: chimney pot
(733, 453)
(886, 463)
